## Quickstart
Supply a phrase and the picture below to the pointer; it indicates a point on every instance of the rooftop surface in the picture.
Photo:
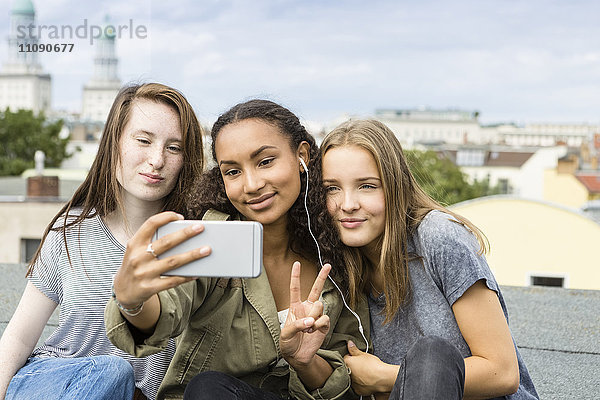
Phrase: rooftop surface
(490, 158)
(591, 181)
(557, 331)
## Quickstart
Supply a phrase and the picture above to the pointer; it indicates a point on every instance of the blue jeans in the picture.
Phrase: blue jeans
(98, 377)
(433, 369)
(211, 385)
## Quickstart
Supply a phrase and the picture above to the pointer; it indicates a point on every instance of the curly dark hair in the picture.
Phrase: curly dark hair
(209, 191)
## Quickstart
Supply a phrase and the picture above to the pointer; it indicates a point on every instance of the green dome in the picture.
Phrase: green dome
(23, 7)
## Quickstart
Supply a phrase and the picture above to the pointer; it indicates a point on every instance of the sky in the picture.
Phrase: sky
(513, 61)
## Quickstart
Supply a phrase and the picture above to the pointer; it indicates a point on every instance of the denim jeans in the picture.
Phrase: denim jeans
(218, 385)
(433, 369)
(90, 378)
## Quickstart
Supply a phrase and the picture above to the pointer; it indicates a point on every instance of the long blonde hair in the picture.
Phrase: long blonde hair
(406, 204)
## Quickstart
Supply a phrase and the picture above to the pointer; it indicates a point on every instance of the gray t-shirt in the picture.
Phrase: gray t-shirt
(449, 265)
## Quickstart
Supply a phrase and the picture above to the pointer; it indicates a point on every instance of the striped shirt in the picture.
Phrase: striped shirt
(82, 290)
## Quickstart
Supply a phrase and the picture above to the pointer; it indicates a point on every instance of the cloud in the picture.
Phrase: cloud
(513, 60)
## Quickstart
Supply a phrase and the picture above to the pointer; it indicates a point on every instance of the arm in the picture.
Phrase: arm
(315, 373)
(492, 370)
(452, 255)
(23, 332)
(167, 301)
(139, 279)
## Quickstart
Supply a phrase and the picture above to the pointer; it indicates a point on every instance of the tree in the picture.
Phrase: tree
(442, 179)
(21, 134)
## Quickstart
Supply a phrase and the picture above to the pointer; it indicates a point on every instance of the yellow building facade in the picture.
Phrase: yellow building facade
(564, 189)
(533, 241)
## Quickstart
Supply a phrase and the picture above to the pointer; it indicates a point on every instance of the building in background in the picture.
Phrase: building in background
(502, 168)
(575, 180)
(527, 161)
(101, 90)
(429, 126)
(97, 98)
(23, 83)
(536, 243)
(27, 205)
(516, 171)
(450, 126)
(546, 135)
(27, 219)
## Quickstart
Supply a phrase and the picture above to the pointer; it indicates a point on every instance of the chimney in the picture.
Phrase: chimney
(584, 150)
(568, 164)
(40, 185)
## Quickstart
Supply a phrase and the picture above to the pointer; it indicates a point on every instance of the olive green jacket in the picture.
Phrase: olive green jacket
(231, 325)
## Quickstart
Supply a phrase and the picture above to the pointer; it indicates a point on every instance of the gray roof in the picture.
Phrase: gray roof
(11, 287)
(557, 331)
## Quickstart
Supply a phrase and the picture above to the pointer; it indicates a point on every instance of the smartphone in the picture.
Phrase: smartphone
(236, 248)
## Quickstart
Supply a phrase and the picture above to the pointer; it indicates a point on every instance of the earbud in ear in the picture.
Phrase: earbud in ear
(303, 163)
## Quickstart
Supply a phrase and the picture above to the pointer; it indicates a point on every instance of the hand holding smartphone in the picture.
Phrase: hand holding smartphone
(236, 249)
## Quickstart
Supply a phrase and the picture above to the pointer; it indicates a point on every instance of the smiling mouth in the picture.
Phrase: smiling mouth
(260, 199)
(151, 178)
(351, 222)
(262, 202)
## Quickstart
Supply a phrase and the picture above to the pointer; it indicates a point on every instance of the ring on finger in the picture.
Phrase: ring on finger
(310, 302)
(150, 250)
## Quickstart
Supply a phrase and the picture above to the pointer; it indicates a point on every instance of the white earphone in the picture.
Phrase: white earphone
(303, 163)
(360, 327)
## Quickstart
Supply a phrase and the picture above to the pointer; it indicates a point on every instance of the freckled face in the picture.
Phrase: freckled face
(259, 168)
(355, 197)
(150, 150)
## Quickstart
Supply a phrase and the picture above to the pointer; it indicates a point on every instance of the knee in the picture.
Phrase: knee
(434, 352)
(118, 367)
(435, 369)
(433, 346)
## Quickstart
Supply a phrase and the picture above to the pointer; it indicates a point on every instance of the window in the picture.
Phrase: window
(470, 157)
(554, 281)
(28, 249)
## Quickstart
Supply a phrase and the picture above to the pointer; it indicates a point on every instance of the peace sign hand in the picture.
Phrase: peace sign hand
(305, 327)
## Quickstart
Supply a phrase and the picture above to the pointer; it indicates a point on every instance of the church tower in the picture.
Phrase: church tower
(101, 90)
(23, 84)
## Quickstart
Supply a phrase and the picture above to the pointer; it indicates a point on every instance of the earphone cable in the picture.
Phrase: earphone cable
(360, 327)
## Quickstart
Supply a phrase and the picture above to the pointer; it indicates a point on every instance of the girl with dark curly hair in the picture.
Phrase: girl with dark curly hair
(210, 192)
(280, 335)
